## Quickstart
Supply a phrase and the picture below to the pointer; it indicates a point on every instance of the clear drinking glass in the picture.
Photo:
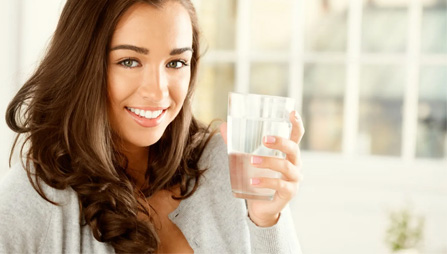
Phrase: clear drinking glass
(250, 118)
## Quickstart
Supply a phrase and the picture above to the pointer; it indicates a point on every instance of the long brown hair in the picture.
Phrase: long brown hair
(62, 112)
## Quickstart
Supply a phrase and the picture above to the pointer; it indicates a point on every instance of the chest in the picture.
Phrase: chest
(171, 237)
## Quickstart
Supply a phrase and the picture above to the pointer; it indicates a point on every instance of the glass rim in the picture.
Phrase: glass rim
(261, 95)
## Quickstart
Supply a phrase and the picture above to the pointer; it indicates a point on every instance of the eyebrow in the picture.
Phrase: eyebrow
(145, 51)
(180, 50)
(139, 50)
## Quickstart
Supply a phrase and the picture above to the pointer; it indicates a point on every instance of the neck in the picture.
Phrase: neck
(137, 163)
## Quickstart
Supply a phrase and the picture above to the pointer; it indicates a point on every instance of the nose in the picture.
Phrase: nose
(154, 84)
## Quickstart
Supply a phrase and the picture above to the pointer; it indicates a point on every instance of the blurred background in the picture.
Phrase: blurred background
(369, 78)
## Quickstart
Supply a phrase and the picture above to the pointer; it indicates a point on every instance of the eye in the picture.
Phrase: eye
(129, 63)
(176, 64)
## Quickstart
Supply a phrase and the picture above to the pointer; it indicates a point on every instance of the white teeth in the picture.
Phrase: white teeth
(157, 113)
(146, 113)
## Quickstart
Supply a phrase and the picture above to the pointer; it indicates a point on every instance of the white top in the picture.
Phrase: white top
(212, 220)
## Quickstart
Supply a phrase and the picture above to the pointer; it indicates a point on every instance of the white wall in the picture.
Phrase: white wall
(344, 203)
(26, 27)
(8, 68)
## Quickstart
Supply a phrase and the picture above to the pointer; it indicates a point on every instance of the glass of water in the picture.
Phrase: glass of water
(250, 118)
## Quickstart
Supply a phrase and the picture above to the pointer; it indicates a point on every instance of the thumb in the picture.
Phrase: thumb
(223, 131)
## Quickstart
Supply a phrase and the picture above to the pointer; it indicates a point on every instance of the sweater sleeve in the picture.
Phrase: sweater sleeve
(280, 238)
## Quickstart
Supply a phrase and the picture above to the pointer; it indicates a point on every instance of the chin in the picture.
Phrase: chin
(149, 139)
(141, 139)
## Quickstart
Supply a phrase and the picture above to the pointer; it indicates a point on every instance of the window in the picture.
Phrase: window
(369, 76)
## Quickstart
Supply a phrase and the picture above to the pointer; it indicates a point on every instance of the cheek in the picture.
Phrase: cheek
(113, 107)
(116, 94)
(180, 90)
(114, 97)
(118, 89)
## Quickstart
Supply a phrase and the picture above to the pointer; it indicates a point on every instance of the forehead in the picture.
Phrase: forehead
(148, 26)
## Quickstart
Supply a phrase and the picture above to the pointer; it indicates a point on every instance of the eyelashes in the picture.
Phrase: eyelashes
(177, 64)
(131, 63)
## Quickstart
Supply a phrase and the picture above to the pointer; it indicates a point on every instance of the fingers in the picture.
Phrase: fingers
(289, 171)
(297, 127)
(288, 146)
(284, 190)
(223, 131)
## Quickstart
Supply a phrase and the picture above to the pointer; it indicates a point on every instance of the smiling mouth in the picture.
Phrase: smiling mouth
(148, 114)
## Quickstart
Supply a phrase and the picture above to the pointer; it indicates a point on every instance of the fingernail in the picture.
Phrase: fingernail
(255, 181)
(297, 116)
(269, 139)
(256, 160)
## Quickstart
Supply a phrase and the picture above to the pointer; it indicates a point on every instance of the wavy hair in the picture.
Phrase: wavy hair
(62, 113)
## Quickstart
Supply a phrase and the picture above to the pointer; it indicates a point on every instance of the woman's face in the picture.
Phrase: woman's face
(148, 71)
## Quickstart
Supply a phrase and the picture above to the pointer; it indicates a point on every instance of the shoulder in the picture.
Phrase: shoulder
(26, 216)
(215, 160)
(215, 183)
(16, 190)
(212, 217)
(215, 153)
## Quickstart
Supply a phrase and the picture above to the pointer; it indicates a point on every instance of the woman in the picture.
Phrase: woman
(115, 160)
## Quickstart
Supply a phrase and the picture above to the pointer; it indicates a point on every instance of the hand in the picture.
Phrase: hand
(266, 213)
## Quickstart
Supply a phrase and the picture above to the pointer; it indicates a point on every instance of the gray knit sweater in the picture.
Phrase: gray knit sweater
(212, 220)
